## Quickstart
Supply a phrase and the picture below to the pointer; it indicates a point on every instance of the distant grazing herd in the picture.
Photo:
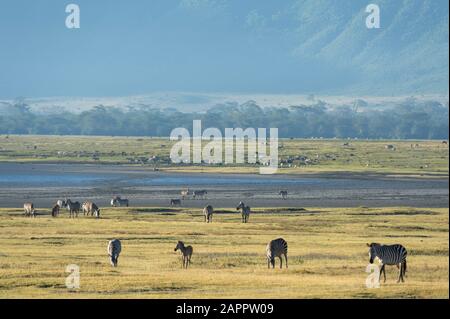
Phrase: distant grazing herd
(277, 248)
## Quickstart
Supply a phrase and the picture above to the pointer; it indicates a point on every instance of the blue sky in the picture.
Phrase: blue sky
(137, 47)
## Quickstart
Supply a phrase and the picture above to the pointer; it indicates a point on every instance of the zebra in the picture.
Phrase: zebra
(91, 208)
(117, 201)
(73, 208)
(61, 203)
(208, 212)
(29, 209)
(55, 210)
(245, 211)
(283, 194)
(186, 253)
(389, 255)
(175, 202)
(276, 248)
(201, 193)
(114, 249)
(185, 193)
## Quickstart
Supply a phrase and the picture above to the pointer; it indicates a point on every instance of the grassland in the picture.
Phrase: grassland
(327, 253)
(427, 158)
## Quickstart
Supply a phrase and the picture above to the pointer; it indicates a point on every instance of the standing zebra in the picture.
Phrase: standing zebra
(29, 209)
(61, 203)
(114, 249)
(117, 201)
(276, 248)
(175, 202)
(55, 210)
(186, 253)
(245, 211)
(185, 193)
(208, 212)
(283, 194)
(198, 194)
(73, 208)
(389, 255)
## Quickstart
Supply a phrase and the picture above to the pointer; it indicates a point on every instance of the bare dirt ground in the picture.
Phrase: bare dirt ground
(43, 184)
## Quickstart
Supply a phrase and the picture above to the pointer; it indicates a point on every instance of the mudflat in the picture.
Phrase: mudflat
(43, 184)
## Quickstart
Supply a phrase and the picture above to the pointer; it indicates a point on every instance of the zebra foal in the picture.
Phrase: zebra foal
(276, 248)
(389, 255)
(186, 253)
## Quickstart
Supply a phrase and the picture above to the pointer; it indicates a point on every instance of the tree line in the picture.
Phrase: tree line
(410, 119)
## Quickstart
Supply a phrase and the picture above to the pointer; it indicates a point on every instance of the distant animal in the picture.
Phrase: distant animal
(117, 201)
(73, 208)
(175, 202)
(186, 253)
(89, 208)
(201, 193)
(185, 193)
(61, 203)
(389, 255)
(55, 210)
(445, 142)
(276, 248)
(114, 249)
(283, 194)
(245, 211)
(208, 212)
(390, 147)
(29, 210)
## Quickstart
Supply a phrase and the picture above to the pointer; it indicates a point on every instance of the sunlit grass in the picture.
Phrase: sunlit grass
(327, 253)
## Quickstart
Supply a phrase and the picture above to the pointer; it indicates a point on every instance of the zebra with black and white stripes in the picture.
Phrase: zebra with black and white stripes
(208, 213)
(389, 255)
(245, 211)
(276, 248)
(114, 249)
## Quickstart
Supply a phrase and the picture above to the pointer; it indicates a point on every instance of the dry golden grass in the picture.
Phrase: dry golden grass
(327, 254)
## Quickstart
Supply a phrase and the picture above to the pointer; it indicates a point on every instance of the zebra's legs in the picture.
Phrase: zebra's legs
(383, 272)
(281, 262)
(285, 257)
(401, 273)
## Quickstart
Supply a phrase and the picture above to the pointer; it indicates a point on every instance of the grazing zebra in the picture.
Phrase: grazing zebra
(208, 212)
(55, 210)
(389, 255)
(283, 194)
(201, 194)
(73, 208)
(29, 209)
(245, 211)
(89, 208)
(117, 201)
(114, 249)
(175, 202)
(185, 193)
(186, 253)
(276, 248)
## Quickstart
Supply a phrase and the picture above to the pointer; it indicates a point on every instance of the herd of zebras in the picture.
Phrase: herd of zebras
(277, 248)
